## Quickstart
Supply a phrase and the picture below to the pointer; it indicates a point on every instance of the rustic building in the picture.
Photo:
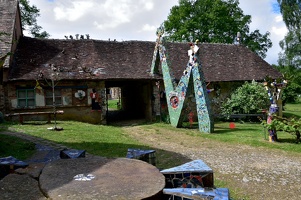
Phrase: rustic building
(10, 32)
(79, 66)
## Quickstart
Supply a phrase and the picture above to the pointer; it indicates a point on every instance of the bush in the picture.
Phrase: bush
(250, 98)
(291, 93)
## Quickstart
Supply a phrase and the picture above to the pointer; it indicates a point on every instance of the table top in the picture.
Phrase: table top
(101, 178)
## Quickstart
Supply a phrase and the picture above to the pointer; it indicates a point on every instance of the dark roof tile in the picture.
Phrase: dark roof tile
(110, 60)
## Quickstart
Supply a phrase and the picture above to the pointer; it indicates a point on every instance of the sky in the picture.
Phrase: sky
(138, 19)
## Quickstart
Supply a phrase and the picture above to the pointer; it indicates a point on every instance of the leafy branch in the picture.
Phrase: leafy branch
(289, 125)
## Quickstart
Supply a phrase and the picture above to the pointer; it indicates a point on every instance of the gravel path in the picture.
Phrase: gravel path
(254, 173)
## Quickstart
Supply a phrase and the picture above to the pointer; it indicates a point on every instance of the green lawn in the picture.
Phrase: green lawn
(16, 147)
(113, 104)
(292, 110)
(101, 140)
(112, 141)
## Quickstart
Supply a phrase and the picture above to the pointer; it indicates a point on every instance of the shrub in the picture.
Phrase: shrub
(289, 125)
(250, 98)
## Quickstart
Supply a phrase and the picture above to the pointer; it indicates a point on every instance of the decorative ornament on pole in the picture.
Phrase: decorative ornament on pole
(237, 39)
(274, 89)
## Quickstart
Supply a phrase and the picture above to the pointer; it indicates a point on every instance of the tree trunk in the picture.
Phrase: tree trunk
(297, 136)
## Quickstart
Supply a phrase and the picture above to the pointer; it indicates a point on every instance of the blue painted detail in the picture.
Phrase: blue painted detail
(198, 193)
(12, 161)
(137, 153)
(141, 154)
(193, 166)
(194, 174)
(72, 153)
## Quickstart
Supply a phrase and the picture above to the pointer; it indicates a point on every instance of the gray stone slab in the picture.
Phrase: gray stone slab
(101, 178)
(20, 187)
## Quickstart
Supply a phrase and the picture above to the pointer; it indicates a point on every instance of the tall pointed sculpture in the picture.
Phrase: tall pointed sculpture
(192, 80)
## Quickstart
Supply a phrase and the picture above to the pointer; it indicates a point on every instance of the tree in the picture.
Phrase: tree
(29, 16)
(214, 21)
(291, 12)
(293, 88)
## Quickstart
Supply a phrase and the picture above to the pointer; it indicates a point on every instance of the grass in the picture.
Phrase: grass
(292, 110)
(112, 104)
(18, 148)
(101, 140)
(112, 141)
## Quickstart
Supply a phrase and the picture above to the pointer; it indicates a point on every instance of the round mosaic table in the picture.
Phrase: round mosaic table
(101, 178)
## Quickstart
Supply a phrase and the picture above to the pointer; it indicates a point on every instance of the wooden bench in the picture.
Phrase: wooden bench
(240, 116)
(48, 113)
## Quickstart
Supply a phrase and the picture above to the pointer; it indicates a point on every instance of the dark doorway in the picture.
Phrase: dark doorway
(134, 101)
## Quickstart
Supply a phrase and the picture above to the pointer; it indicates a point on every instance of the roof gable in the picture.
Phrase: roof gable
(8, 13)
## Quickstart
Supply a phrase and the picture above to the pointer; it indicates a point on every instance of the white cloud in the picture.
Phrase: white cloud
(72, 13)
(147, 27)
(265, 19)
(279, 31)
(149, 6)
(279, 18)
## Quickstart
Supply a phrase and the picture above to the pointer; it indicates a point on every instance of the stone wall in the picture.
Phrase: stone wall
(76, 101)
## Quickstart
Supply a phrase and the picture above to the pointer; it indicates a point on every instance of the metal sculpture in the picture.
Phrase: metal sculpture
(191, 80)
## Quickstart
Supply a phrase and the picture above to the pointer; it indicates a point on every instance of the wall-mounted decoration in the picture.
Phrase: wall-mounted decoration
(80, 94)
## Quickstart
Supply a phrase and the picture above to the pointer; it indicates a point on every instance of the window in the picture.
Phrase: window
(26, 98)
(49, 97)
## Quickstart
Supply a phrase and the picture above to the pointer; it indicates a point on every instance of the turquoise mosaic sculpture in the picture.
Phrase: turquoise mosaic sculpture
(191, 83)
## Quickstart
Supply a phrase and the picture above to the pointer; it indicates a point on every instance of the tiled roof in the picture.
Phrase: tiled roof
(224, 62)
(7, 20)
(110, 60)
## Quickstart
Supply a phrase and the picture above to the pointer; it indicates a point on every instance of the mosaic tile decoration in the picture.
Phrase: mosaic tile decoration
(274, 91)
(200, 193)
(194, 174)
(193, 166)
(12, 161)
(141, 154)
(72, 153)
(176, 95)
